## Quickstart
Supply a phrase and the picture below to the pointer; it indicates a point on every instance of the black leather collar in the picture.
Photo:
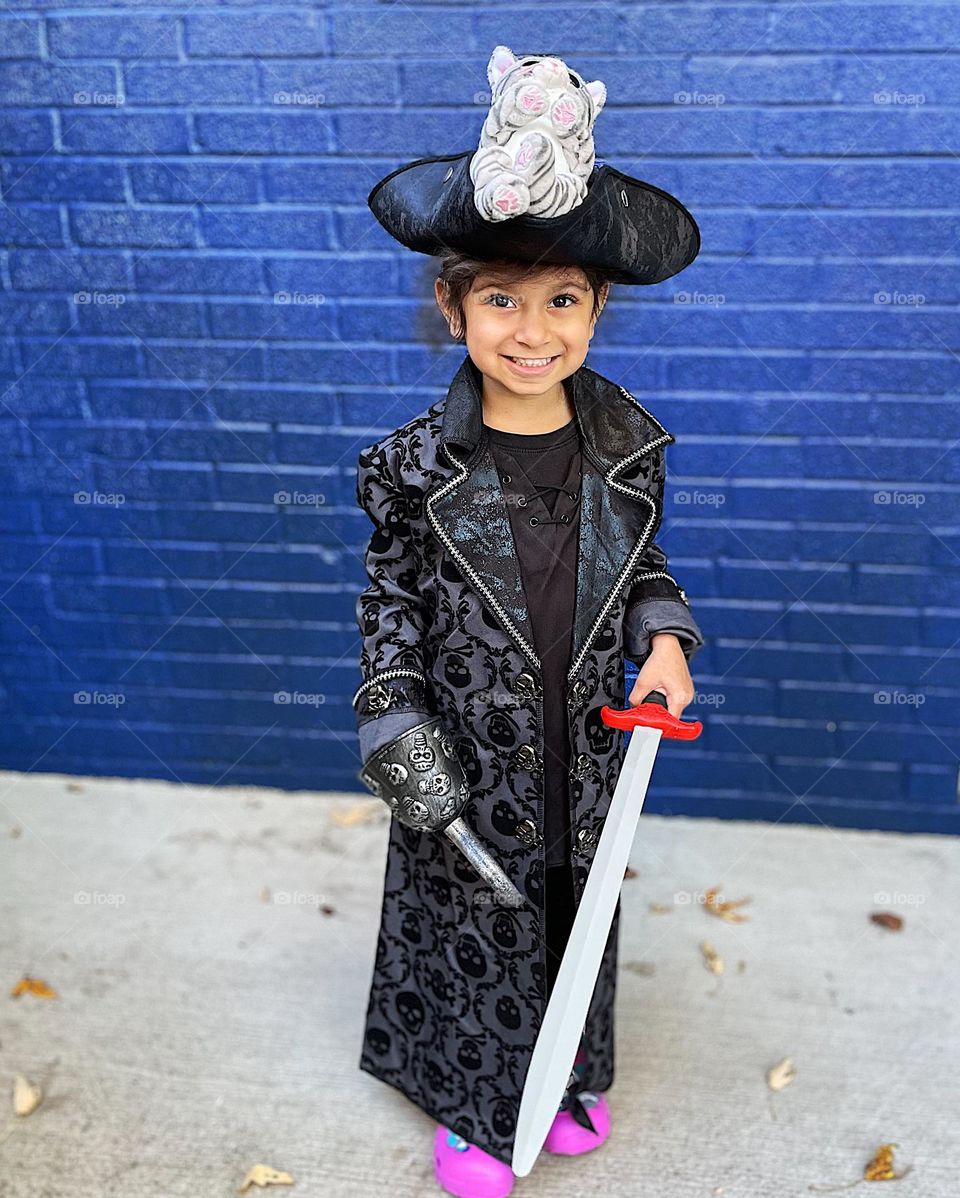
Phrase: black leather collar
(612, 424)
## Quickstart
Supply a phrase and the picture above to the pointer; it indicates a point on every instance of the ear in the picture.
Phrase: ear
(598, 91)
(604, 296)
(439, 292)
(501, 60)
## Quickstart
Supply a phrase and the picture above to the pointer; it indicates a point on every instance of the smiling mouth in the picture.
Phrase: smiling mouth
(532, 361)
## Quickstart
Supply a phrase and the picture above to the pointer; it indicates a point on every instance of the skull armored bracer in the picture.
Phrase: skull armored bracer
(419, 776)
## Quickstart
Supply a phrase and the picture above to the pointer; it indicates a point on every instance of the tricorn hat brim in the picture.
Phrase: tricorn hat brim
(629, 229)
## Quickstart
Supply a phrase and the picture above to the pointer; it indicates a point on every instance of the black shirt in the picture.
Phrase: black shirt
(540, 476)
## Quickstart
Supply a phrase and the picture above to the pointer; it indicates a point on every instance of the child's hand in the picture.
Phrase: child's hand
(664, 670)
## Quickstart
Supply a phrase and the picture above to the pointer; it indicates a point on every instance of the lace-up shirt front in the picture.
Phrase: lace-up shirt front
(540, 476)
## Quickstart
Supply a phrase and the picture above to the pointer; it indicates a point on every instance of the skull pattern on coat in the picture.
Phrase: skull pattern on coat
(459, 983)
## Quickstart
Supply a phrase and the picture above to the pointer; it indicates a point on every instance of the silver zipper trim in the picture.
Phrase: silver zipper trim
(637, 404)
(633, 492)
(638, 549)
(528, 650)
(394, 672)
(663, 574)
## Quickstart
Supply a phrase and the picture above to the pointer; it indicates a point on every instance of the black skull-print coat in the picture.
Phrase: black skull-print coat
(458, 990)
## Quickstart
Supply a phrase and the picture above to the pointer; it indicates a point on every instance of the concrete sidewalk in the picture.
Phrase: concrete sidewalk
(212, 949)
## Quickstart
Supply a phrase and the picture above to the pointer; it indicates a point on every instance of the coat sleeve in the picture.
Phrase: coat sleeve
(394, 695)
(657, 602)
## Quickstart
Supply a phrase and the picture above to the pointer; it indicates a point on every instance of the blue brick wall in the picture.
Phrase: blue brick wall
(201, 318)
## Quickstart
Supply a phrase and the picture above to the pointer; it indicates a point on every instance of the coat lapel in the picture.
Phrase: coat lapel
(469, 515)
(468, 512)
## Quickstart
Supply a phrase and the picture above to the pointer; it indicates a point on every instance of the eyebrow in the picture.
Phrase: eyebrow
(504, 283)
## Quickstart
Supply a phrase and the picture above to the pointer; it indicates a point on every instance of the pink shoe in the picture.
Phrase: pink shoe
(566, 1136)
(467, 1171)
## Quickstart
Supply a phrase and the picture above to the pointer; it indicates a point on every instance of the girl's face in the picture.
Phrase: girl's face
(512, 327)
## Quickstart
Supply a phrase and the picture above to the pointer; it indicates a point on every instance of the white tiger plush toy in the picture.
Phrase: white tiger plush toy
(536, 148)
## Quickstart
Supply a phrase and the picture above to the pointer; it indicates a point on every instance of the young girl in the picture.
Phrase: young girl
(511, 569)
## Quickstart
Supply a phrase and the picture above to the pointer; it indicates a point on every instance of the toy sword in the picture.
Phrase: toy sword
(566, 1013)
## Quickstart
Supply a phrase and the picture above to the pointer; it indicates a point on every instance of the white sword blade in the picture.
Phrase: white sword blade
(566, 1012)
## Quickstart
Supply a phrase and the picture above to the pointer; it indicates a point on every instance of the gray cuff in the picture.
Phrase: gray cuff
(376, 733)
(650, 616)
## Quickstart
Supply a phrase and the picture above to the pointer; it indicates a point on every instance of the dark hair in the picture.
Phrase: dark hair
(459, 271)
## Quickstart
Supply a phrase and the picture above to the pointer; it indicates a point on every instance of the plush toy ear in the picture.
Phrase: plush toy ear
(501, 60)
(599, 93)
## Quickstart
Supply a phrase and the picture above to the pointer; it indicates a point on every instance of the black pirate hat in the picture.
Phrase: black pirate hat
(632, 231)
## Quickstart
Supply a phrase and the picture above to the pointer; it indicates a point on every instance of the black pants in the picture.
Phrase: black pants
(560, 910)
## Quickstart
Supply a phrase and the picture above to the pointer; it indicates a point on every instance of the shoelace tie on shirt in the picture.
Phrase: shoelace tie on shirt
(522, 502)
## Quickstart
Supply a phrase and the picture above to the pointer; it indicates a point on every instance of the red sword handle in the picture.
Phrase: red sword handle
(651, 713)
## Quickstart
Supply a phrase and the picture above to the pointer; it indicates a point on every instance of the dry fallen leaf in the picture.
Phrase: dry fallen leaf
(725, 910)
(711, 958)
(659, 908)
(880, 1168)
(886, 919)
(263, 1175)
(629, 873)
(75, 788)
(33, 986)
(781, 1074)
(26, 1096)
(356, 813)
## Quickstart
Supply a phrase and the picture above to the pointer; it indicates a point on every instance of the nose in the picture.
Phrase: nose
(531, 329)
(550, 68)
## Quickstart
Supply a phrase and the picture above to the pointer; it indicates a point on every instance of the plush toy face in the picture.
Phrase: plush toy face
(536, 149)
(504, 68)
